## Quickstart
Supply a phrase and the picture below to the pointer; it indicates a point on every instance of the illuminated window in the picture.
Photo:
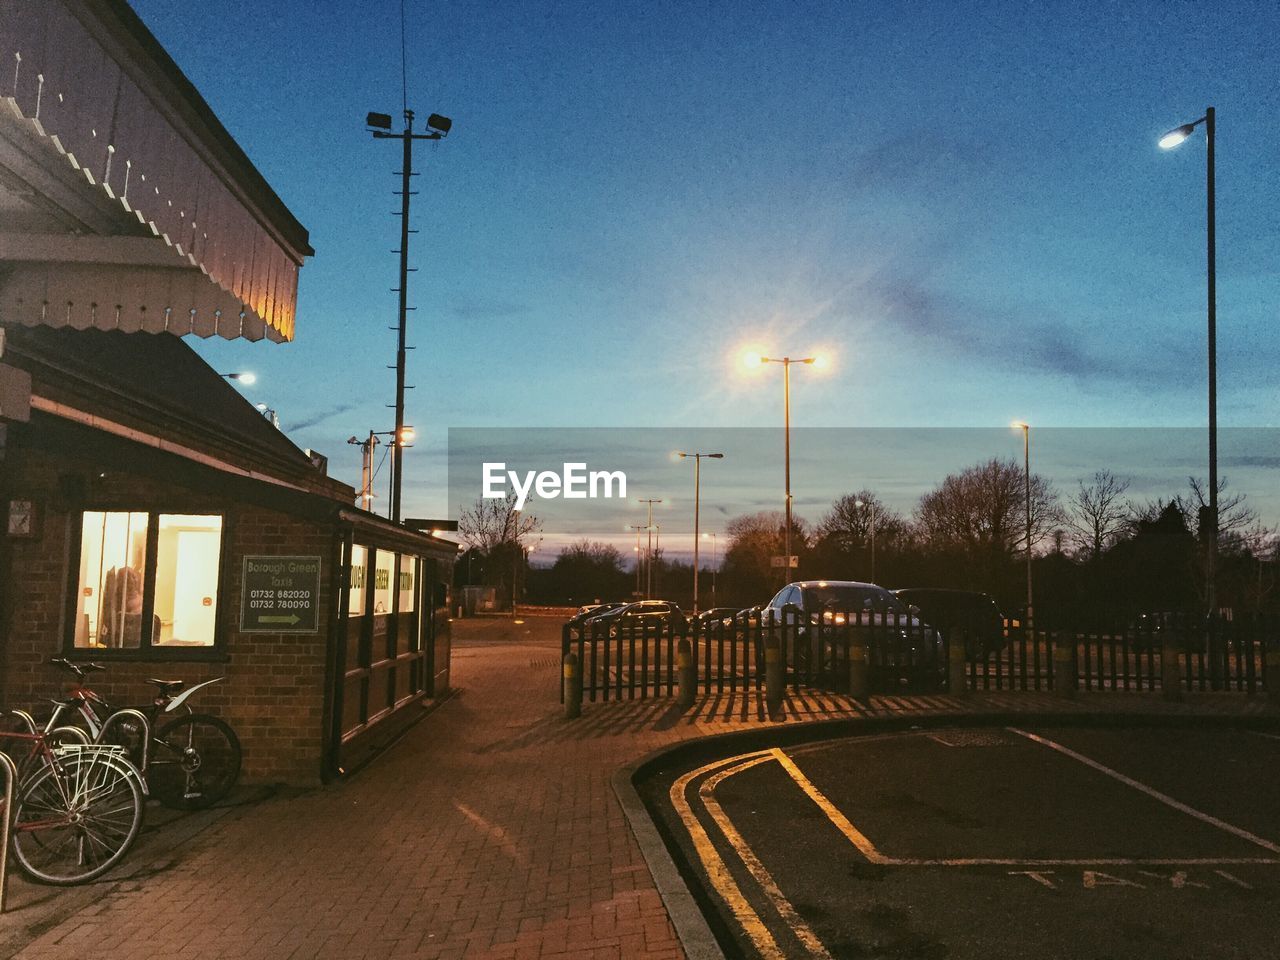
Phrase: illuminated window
(382, 581)
(407, 583)
(359, 578)
(113, 558)
(188, 555)
(147, 581)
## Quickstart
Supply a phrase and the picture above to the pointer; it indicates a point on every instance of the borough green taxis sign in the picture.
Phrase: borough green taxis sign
(280, 595)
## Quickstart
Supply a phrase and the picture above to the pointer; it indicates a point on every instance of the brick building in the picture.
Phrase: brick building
(155, 522)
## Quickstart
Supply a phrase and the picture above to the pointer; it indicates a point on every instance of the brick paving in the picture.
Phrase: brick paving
(490, 831)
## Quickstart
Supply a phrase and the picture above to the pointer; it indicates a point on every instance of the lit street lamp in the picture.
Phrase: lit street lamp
(406, 435)
(697, 499)
(752, 360)
(1209, 524)
(1026, 471)
(245, 377)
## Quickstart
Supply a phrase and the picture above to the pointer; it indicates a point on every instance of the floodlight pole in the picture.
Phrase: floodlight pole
(407, 136)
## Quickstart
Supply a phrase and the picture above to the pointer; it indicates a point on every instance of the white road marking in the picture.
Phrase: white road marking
(1153, 793)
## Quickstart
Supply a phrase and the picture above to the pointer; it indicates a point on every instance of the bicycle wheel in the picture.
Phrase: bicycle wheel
(75, 819)
(195, 761)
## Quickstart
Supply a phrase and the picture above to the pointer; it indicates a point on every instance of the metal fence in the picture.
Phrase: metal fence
(636, 658)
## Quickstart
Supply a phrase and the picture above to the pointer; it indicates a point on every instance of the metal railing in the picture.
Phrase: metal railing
(636, 658)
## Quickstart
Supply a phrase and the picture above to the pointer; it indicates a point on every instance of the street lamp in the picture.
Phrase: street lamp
(637, 527)
(871, 507)
(245, 377)
(269, 413)
(1208, 525)
(648, 563)
(697, 499)
(405, 435)
(379, 125)
(751, 361)
(1026, 471)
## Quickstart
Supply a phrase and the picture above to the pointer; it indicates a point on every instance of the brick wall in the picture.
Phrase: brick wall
(273, 687)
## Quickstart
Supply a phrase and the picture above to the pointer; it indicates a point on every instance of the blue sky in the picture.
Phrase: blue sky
(962, 204)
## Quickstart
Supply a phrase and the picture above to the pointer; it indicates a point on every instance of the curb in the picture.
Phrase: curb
(684, 905)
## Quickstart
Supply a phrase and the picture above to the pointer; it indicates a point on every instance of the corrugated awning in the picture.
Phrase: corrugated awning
(101, 131)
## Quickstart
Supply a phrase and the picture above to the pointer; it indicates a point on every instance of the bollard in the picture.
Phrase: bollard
(687, 677)
(859, 671)
(773, 674)
(1170, 661)
(1064, 664)
(957, 681)
(572, 686)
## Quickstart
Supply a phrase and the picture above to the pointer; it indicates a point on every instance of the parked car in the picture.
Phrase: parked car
(724, 615)
(651, 614)
(955, 612)
(591, 610)
(824, 611)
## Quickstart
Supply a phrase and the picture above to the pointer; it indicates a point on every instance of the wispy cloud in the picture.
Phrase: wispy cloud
(319, 417)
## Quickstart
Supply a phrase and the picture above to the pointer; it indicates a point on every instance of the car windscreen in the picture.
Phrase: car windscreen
(852, 598)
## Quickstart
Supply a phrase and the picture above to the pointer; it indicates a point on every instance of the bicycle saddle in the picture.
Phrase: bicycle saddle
(168, 686)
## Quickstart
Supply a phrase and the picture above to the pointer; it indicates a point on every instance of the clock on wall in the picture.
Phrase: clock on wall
(22, 518)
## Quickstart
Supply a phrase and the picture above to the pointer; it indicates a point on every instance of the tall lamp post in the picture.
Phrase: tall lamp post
(752, 360)
(380, 126)
(405, 436)
(1209, 524)
(697, 500)
(1026, 475)
(648, 562)
(637, 527)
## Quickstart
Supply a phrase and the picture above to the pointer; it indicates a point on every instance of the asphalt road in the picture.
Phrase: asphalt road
(1041, 842)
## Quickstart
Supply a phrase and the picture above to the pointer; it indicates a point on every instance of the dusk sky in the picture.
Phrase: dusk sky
(963, 205)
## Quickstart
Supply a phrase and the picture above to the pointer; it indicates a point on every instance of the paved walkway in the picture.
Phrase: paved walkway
(490, 830)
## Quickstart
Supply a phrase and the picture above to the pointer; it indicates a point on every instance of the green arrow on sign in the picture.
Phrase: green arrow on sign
(291, 619)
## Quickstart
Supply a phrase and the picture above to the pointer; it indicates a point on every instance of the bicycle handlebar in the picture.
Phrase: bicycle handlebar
(76, 668)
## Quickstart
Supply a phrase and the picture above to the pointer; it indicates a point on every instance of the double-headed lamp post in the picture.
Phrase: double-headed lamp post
(404, 436)
(753, 360)
(1209, 529)
(1026, 475)
(697, 501)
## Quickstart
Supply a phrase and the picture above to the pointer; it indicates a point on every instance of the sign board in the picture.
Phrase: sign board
(780, 562)
(280, 595)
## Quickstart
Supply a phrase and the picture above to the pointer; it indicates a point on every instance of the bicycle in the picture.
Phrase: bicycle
(189, 762)
(78, 807)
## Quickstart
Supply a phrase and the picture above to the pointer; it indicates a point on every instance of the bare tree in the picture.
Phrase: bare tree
(1096, 516)
(852, 517)
(1234, 516)
(492, 523)
(981, 512)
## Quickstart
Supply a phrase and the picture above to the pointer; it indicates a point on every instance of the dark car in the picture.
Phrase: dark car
(826, 612)
(590, 610)
(644, 614)
(974, 615)
(724, 615)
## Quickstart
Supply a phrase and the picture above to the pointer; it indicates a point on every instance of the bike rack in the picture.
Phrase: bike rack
(10, 779)
(28, 721)
(146, 732)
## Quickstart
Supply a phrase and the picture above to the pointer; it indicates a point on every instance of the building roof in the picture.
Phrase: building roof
(155, 385)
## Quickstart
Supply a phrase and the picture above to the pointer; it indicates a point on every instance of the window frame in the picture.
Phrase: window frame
(146, 651)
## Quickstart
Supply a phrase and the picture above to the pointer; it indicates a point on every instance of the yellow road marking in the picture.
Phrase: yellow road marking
(854, 835)
(717, 872)
(757, 870)
(1152, 792)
